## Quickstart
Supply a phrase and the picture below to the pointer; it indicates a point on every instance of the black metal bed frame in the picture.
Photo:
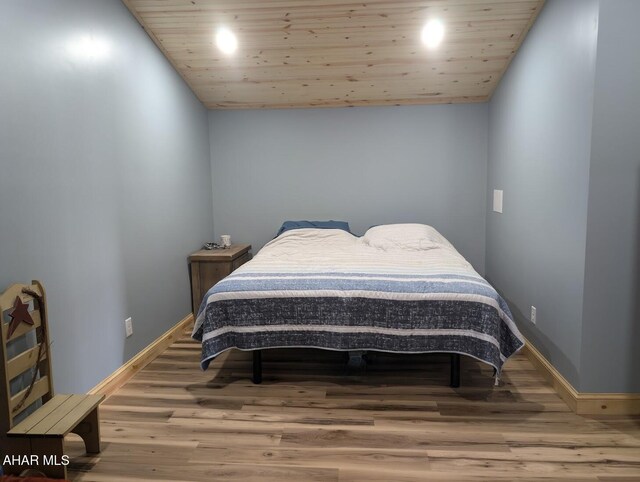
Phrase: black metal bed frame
(454, 382)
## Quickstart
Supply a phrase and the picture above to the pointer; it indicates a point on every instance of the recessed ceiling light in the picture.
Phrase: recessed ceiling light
(226, 41)
(433, 33)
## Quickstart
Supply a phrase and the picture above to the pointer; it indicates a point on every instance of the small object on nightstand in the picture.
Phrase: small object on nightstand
(210, 265)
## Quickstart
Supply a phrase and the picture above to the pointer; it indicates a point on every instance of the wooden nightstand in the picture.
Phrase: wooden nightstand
(207, 267)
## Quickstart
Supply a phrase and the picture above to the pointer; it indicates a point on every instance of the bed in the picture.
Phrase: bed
(399, 288)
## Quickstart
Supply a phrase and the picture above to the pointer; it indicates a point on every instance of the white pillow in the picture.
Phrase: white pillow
(405, 236)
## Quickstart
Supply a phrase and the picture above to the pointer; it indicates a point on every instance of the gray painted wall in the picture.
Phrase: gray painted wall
(610, 354)
(539, 149)
(367, 166)
(104, 180)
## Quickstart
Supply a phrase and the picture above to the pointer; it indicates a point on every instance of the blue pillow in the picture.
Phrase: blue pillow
(289, 225)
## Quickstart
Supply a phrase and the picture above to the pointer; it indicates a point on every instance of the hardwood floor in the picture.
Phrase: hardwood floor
(309, 421)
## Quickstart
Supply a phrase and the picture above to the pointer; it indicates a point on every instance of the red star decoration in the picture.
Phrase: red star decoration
(20, 314)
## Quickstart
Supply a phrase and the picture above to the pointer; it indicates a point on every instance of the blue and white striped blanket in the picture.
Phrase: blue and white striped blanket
(328, 289)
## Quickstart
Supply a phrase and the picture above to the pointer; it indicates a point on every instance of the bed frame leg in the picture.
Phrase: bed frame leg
(455, 370)
(257, 366)
(357, 361)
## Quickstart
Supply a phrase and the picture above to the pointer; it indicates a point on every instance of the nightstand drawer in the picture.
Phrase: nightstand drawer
(240, 261)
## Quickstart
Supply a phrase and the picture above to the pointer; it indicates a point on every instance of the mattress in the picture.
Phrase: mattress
(326, 288)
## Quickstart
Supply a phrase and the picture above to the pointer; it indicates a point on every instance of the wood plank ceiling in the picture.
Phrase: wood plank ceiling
(331, 53)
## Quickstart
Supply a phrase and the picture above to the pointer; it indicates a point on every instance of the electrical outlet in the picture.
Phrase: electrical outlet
(128, 327)
(533, 314)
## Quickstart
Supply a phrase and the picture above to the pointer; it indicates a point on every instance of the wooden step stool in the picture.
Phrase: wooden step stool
(23, 313)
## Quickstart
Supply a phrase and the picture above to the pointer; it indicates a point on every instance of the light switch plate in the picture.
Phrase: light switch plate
(497, 200)
(128, 327)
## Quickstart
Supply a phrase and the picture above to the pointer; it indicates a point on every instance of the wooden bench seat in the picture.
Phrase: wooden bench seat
(41, 434)
(58, 417)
